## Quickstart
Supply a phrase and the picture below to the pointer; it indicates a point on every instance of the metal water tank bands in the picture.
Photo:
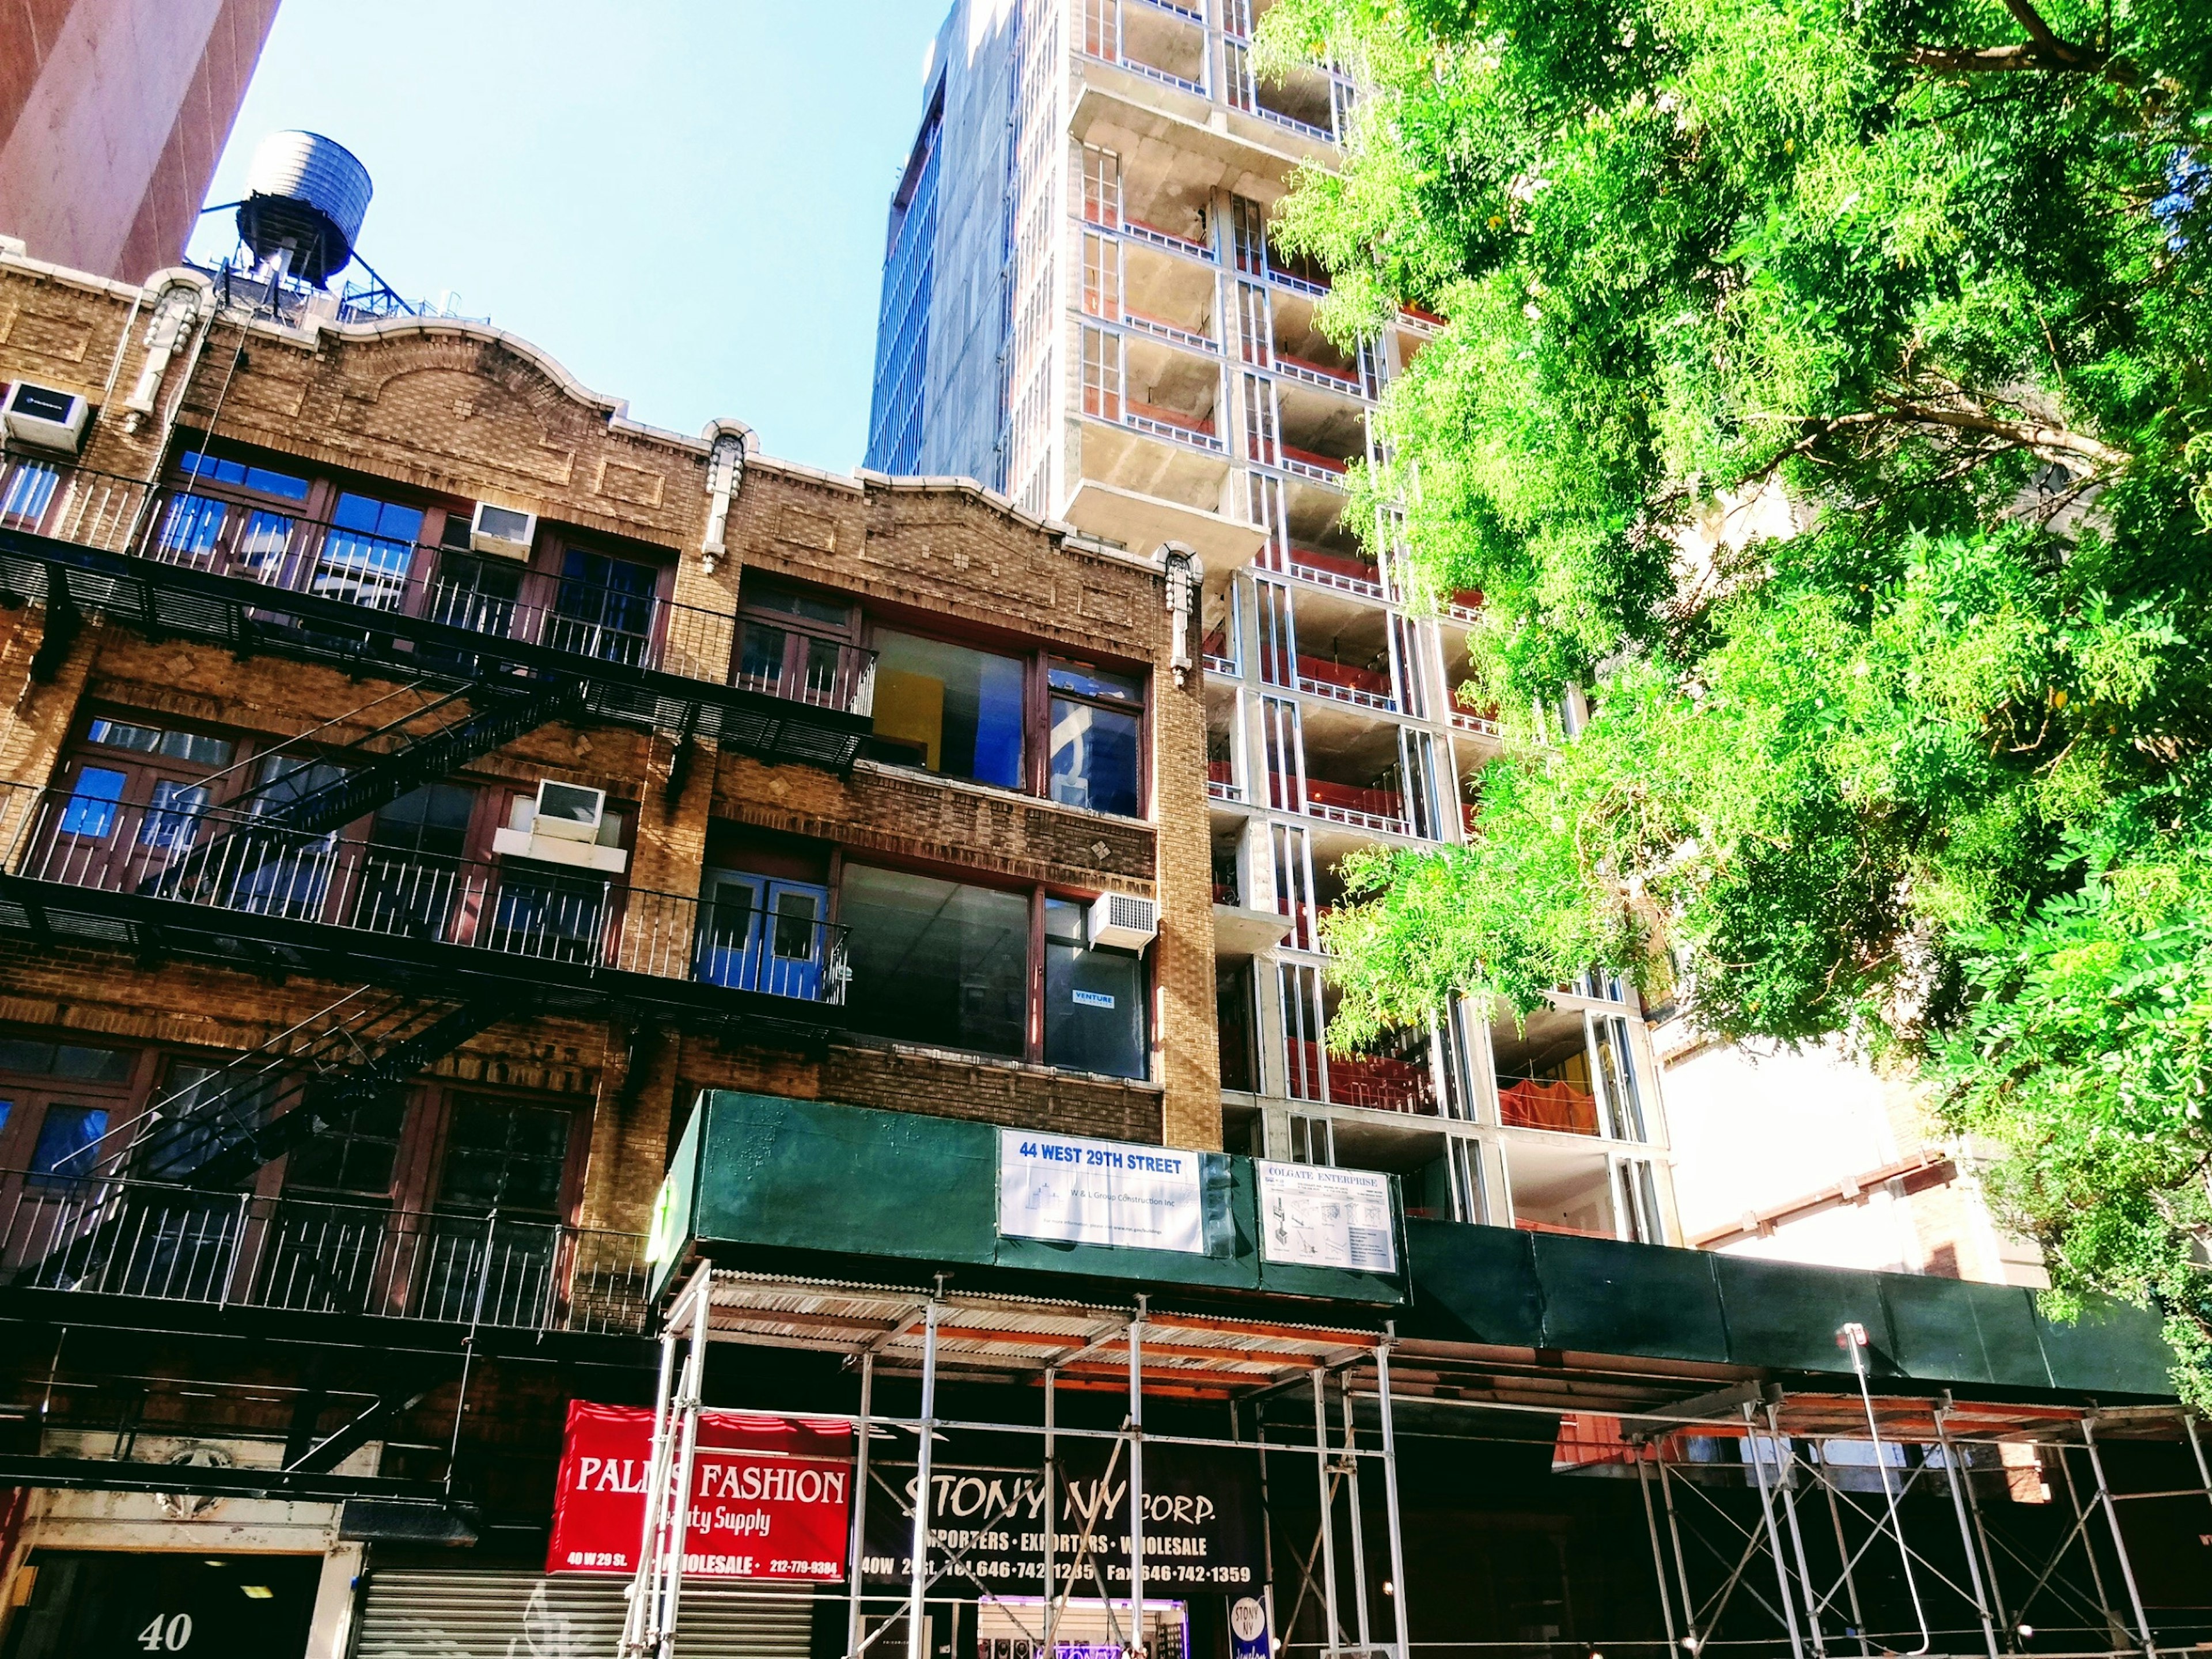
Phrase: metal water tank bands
(306, 193)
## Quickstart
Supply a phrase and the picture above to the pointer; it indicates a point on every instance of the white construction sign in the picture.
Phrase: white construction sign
(1312, 1216)
(1100, 1192)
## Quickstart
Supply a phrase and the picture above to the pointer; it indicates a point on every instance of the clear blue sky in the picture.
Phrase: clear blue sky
(681, 200)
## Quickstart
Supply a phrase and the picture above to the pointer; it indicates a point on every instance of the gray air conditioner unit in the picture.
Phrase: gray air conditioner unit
(42, 416)
(1122, 921)
(503, 532)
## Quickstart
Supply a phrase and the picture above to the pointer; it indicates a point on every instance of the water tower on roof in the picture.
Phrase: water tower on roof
(306, 195)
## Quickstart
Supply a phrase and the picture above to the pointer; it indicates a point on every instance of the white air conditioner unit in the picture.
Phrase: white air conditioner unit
(567, 825)
(503, 532)
(1123, 921)
(568, 811)
(40, 415)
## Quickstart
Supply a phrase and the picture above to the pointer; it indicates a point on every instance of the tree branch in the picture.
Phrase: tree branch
(2045, 49)
(2029, 435)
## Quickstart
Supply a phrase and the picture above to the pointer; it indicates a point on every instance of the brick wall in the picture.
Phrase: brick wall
(461, 410)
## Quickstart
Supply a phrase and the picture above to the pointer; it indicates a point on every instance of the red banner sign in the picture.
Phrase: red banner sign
(769, 1495)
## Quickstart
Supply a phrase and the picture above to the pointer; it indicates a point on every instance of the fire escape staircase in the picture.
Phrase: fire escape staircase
(270, 822)
(362, 1049)
(125, 1217)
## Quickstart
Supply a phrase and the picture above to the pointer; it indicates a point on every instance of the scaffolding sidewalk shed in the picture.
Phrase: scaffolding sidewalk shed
(1051, 1345)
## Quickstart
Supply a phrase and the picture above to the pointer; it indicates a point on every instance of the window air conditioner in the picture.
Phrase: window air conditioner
(42, 416)
(567, 825)
(503, 532)
(1123, 921)
(568, 811)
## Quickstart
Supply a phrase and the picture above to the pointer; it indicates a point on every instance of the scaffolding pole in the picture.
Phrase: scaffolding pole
(2119, 1543)
(1773, 1537)
(1358, 1522)
(1327, 1510)
(1785, 1473)
(1691, 1639)
(1651, 1526)
(855, 1566)
(1850, 1582)
(1401, 1620)
(1955, 1469)
(637, 1617)
(1137, 1482)
(1051, 1517)
(917, 1646)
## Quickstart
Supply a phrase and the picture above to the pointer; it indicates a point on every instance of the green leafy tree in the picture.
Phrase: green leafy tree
(1826, 390)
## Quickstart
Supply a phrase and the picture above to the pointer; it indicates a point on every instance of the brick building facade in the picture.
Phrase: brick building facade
(301, 647)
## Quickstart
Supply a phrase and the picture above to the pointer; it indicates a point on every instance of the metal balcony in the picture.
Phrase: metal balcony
(97, 1234)
(202, 564)
(84, 870)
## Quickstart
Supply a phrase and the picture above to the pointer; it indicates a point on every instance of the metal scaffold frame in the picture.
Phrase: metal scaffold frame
(1818, 1617)
(1816, 1606)
(1002, 1338)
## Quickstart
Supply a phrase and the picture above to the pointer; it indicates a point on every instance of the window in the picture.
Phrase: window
(68, 1145)
(92, 803)
(603, 607)
(949, 709)
(1097, 718)
(471, 591)
(799, 646)
(411, 876)
(1094, 1000)
(506, 1154)
(936, 962)
(365, 554)
(1313, 1140)
(176, 745)
(1101, 277)
(172, 818)
(67, 1061)
(29, 490)
(1470, 1199)
(1102, 374)
(356, 1157)
(199, 468)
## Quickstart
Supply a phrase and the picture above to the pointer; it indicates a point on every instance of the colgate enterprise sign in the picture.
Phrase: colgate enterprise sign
(770, 1496)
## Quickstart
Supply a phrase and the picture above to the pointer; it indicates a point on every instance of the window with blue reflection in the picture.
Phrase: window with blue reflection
(173, 818)
(67, 1148)
(949, 708)
(91, 809)
(215, 469)
(365, 555)
(1097, 738)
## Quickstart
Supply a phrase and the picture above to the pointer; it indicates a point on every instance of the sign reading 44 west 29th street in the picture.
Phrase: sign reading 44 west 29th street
(1074, 1191)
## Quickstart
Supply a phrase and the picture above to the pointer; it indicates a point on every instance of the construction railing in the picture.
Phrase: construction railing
(230, 861)
(111, 1236)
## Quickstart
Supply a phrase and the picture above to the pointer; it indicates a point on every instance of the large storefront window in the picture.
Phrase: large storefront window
(1094, 1000)
(951, 709)
(936, 962)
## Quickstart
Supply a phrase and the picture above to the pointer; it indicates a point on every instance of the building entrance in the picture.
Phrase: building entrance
(122, 1604)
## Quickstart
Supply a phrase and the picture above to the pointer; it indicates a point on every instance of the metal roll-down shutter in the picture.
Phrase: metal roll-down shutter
(440, 1613)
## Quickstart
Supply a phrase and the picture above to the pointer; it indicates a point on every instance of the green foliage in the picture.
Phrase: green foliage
(1825, 388)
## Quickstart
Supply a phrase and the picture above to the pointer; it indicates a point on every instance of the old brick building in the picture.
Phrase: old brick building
(420, 781)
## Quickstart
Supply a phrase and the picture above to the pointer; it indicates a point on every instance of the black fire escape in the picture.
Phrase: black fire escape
(253, 887)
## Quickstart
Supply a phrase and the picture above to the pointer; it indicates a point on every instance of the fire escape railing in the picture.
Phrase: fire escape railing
(88, 870)
(201, 564)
